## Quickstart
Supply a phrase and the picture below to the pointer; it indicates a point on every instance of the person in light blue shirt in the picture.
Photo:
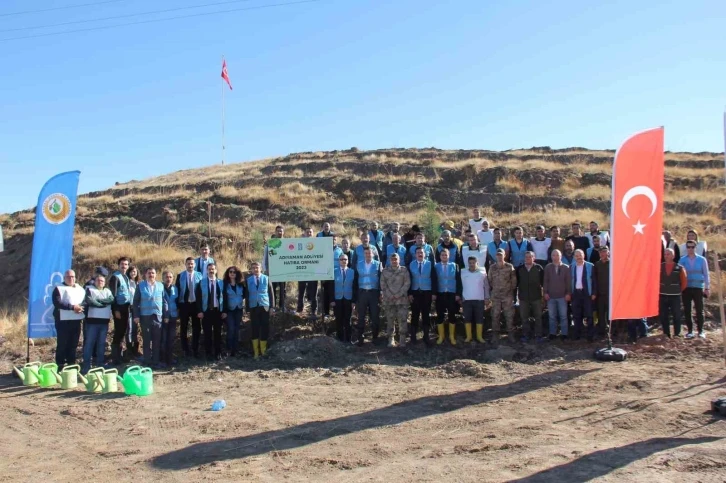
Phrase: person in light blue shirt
(698, 286)
(149, 307)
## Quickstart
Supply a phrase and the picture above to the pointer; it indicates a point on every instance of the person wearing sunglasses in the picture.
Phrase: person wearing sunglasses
(701, 246)
(698, 286)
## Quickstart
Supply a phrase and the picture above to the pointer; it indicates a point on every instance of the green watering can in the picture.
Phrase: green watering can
(69, 377)
(146, 382)
(93, 380)
(48, 375)
(29, 373)
(109, 380)
(129, 382)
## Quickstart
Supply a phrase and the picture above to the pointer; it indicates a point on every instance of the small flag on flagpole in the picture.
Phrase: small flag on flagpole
(225, 74)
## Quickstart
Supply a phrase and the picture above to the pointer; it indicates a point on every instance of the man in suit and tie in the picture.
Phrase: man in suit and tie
(210, 306)
(186, 284)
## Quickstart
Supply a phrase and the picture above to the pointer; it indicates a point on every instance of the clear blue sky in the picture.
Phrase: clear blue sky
(143, 100)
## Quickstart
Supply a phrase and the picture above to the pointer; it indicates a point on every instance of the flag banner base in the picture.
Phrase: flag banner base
(611, 354)
(719, 406)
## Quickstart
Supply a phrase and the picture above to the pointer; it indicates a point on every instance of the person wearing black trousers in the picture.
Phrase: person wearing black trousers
(119, 286)
(307, 289)
(420, 295)
(344, 300)
(186, 284)
(210, 306)
(260, 304)
(448, 296)
(69, 301)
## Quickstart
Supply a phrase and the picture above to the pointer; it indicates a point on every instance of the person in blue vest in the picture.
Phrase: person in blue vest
(367, 289)
(119, 286)
(395, 247)
(568, 255)
(344, 301)
(376, 236)
(326, 231)
(365, 242)
(447, 243)
(518, 246)
(186, 284)
(329, 285)
(346, 250)
(698, 286)
(260, 304)
(203, 260)
(168, 328)
(420, 242)
(210, 310)
(148, 308)
(448, 296)
(394, 229)
(420, 295)
(495, 245)
(233, 293)
(584, 290)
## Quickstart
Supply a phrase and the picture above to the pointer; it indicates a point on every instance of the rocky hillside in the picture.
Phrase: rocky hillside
(163, 219)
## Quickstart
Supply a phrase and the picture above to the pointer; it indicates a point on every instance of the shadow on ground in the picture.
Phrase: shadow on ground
(603, 462)
(316, 431)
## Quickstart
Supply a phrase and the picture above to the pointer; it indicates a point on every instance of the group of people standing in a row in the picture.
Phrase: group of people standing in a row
(196, 297)
(393, 272)
(476, 269)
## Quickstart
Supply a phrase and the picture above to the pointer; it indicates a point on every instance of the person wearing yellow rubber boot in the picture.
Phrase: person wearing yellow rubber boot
(448, 296)
(474, 297)
(260, 304)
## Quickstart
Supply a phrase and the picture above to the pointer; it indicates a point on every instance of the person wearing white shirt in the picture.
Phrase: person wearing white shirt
(595, 230)
(68, 305)
(210, 305)
(485, 235)
(540, 246)
(473, 249)
(475, 224)
(474, 298)
(186, 284)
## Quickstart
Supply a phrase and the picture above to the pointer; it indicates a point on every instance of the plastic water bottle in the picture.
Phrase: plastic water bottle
(218, 405)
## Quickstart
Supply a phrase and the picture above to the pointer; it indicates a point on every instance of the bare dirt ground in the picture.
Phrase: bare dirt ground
(316, 410)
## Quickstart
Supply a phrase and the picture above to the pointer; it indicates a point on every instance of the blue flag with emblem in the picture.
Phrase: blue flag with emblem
(55, 219)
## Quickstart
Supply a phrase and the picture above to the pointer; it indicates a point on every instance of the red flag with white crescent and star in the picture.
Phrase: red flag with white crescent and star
(636, 226)
(225, 75)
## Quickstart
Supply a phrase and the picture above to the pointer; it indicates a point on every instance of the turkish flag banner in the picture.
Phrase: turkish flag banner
(636, 226)
(225, 75)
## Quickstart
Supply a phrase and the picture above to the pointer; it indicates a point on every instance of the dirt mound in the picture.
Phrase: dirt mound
(315, 350)
(467, 368)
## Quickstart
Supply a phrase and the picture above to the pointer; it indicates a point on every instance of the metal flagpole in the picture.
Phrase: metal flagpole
(223, 115)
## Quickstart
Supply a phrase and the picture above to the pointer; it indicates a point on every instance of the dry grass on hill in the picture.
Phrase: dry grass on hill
(351, 188)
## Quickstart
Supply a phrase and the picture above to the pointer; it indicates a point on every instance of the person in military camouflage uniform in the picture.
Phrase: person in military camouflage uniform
(395, 282)
(502, 280)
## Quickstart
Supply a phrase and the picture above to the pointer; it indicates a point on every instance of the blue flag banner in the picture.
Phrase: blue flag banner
(55, 219)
